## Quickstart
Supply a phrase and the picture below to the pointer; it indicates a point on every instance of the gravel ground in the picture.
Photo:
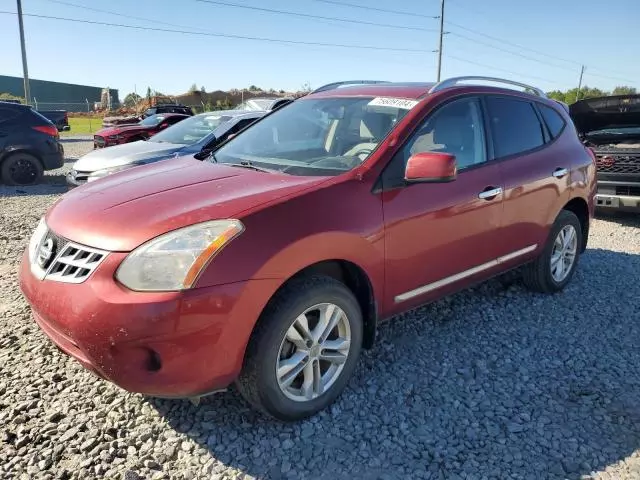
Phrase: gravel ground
(494, 382)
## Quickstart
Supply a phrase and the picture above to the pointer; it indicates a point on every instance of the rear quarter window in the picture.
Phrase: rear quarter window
(515, 126)
(555, 122)
(8, 114)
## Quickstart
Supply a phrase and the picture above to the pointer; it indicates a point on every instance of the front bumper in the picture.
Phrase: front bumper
(75, 178)
(167, 344)
(618, 195)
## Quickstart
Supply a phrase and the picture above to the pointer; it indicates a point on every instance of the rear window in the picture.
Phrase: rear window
(555, 122)
(514, 125)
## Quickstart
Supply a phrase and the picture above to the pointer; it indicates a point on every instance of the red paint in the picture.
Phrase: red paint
(127, 133)
(431, 167)
(401, 239)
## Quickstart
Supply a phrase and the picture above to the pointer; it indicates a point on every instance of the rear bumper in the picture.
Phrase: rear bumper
(53, 160)
(167, 344)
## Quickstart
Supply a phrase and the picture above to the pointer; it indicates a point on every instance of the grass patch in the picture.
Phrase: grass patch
(83, 126)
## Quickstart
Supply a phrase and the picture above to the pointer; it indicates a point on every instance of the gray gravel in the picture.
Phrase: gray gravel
(494, 382)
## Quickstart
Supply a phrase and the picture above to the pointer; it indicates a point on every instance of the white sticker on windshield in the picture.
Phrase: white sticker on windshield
(405, 103)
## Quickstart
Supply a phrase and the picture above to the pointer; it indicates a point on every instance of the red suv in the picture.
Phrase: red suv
(271, 263)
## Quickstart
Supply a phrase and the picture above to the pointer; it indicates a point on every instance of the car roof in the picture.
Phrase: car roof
(419, 90)
(413, 90)
(14, 105)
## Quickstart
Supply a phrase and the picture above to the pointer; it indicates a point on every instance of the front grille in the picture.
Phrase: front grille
(610, 162)
(62, 260)
(80, 177)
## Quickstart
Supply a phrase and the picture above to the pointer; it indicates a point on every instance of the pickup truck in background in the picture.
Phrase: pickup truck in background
(60, 118)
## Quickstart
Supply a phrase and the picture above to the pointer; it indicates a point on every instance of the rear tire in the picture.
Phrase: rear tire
(21, 169)
(557, 263)
(295, 365)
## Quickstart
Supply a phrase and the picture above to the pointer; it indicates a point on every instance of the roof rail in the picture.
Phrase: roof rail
(450, 82)
(331, 86)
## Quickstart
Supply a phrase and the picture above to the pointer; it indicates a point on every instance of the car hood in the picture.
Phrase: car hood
(105, 132)
(606, 112)
(125, 154)
(123, 210)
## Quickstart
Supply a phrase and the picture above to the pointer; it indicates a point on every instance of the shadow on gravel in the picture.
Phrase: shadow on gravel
(64, 140)
(626, 219)
(492, 382)
(51, 185)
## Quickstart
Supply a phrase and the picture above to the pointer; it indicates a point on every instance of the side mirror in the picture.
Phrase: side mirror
(430, 167)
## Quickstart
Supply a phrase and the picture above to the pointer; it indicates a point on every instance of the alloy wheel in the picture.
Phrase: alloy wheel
(313, 353)
(563, 255)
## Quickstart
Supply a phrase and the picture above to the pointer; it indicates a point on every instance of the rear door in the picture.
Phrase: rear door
(9, 117)
(536, 174)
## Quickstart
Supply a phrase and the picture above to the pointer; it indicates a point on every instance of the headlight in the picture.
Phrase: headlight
(108, 171)
(36, 238)
(174, 261)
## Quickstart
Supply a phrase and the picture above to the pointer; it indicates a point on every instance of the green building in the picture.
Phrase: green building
(55, 95)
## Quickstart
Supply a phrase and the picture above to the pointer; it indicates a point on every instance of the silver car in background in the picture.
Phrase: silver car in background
(198, 134)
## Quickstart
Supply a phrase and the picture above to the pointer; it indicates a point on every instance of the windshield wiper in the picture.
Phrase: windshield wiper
(250, 166)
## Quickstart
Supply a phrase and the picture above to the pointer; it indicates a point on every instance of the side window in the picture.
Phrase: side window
(555, 122)
(456, 128)
(514, 125)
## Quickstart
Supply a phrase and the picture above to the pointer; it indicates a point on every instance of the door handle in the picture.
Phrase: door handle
(560, 172)
(489, 193)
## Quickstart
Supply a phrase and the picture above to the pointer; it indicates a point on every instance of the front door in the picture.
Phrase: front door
(440, 235)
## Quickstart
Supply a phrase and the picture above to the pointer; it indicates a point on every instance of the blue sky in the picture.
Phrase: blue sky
(602, 35)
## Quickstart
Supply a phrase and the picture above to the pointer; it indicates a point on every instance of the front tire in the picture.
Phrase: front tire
(304, 349)
(555, 267)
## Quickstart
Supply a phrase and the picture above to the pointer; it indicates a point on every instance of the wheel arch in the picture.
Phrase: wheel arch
(355, 278)
(580, 208)
(21, 149)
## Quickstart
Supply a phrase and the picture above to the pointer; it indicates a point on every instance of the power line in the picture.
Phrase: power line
(315, 17)
(517, 54)
(472, 62)
(522, 47)
(133, 17)
(222, 35)
(374, 9)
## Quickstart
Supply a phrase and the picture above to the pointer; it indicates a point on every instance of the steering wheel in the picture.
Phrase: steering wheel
(362, 151)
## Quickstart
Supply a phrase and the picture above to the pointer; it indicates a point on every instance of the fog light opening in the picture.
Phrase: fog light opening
(154, 363)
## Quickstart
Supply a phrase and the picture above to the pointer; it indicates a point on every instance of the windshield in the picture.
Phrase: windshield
(256, 104)
(151, 121)
(617, 131)
(191, 130)
(324, 136)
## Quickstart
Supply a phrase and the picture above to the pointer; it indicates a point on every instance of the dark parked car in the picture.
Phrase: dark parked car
(29, 145)
(142, 130)
(611, 127)
(272, 263)
(196, 136)
(60, 118)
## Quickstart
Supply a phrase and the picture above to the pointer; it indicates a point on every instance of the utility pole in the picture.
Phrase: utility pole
(580, 83)
(441, 35)
(25, 70)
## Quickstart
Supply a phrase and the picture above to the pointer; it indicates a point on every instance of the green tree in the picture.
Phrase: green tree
(624, 90)
(131, 100)
(193, 88)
